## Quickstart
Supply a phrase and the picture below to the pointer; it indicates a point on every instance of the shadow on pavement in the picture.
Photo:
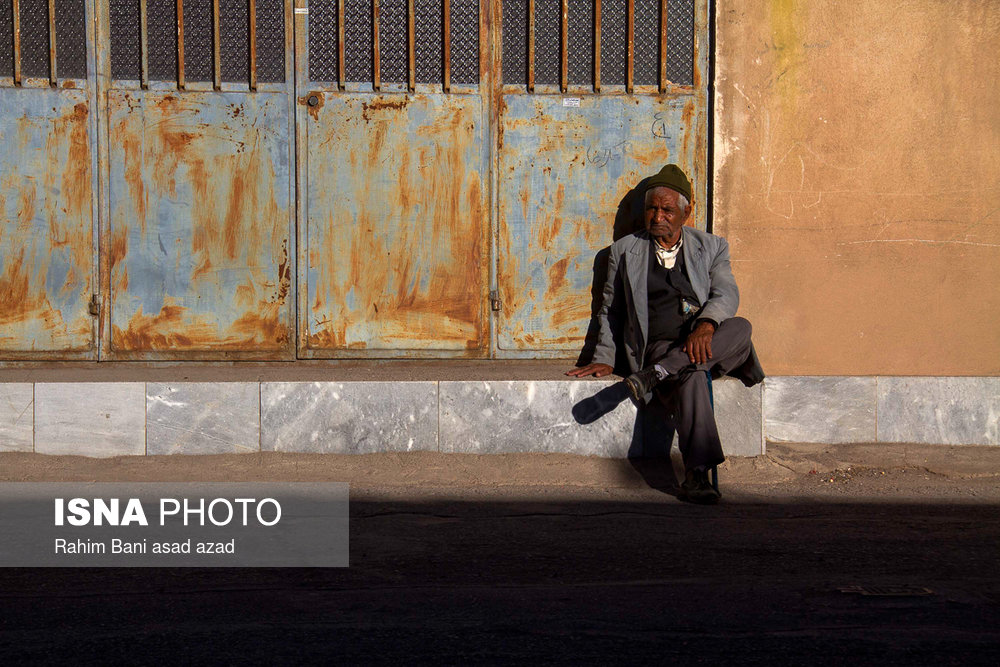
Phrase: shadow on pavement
(561, 581)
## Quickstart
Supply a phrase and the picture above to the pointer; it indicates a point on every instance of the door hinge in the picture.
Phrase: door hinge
(495, 300)
(95, 305)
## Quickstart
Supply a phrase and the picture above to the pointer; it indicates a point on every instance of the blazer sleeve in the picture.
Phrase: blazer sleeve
(723, 295)
(605, 350)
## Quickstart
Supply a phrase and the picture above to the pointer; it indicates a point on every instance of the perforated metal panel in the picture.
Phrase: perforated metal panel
(358, 40)
(323, 52)
(646, 49)
(197, 40)
(614, 42)
(515, 42)
(581, 43)
(71, 39)
(235, 40)
(271, 41)
(465, 41)
(429, 44)
(429, 41)
(6, 39)
(547, 36)
(161, 37)
(393, 47)
(35, 38)
(680, 42)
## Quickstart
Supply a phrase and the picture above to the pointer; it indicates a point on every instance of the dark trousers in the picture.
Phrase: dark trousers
(685, 395)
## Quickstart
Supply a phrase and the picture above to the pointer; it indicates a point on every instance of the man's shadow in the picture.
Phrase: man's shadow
(649, 450)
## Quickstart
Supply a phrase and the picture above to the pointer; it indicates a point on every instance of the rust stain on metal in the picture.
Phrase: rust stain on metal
(564, 174)
(195, 178)
(45, 223)
(314, 108)
(400, 266)
(367, 108)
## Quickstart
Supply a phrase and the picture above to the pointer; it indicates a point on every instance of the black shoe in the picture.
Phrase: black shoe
(641, 383)
(697, 489)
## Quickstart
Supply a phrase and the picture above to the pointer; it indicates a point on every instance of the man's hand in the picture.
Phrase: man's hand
(597, 370)
(699, 344)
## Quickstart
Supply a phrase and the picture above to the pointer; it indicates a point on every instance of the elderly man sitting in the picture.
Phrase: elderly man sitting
(671, 289)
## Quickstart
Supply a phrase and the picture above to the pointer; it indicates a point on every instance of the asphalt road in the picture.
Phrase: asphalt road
(615, 572)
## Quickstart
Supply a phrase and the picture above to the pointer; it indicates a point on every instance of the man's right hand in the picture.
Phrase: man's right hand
(597, 370)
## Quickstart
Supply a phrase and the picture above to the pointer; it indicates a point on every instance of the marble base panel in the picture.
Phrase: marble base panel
(589, 417)
(577, 417)
(349, 418)
(17, 417)
(952, 411)
(738, 416)
(819, 409)
(202, 417)
(97, 419)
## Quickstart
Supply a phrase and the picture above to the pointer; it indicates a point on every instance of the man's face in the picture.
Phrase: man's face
(664, 218)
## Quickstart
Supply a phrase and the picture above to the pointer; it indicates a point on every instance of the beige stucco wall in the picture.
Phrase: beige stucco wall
(857, 178)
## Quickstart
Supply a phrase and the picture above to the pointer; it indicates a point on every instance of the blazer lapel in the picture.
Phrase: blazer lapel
(694, 265)
(637, 268)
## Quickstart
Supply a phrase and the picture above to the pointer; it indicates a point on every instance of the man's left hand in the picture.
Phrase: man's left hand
(699, 344)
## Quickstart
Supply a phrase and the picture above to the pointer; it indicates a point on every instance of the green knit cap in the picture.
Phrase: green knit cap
(671, 177)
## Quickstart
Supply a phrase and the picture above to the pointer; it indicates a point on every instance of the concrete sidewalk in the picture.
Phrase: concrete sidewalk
(891, 472)
(819, 555)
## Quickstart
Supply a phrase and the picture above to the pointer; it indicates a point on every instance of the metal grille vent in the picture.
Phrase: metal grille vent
(125, 39)
(515, 41)
(358, 40)
(234, 52)
(547, 36)
(323, 53)
(35, 38)
(429, 41)
(161, 38)
(465, 41)
(197, 40)
(71, 39)
(6, 39)
(271, 41)
(581, 43)
(680, 42)
(614, 42)
(393, 45)
(646, 45)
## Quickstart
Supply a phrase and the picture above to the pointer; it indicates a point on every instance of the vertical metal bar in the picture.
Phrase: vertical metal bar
(447, 46)
(564, 47)
(531, 46)
(340, 44)
(376, 49)
(17, 42)
(253, 44)
(663, 45)
(52, 43)
(216, 46)
(597, 46)
(143, 45)
(630, 65)
(485, 50)
(411, 34)
(180, 45)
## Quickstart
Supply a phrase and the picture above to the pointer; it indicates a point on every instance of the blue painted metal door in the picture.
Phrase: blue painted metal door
(199, 241)
(394, 147)
(47, 186)
(588, 109)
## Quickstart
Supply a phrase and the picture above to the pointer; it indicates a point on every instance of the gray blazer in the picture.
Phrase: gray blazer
(706, 260)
